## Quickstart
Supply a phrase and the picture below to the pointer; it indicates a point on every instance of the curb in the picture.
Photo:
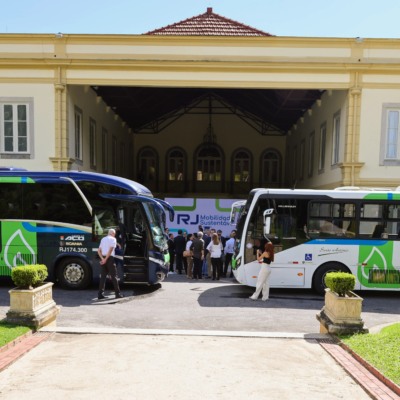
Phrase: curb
(388, 382)
(374, 384)
(15, 342)
(14, 350)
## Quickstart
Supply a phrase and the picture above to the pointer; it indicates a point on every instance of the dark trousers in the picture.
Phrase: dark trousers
(171, 262)
(216, 264)
(108, 268)
(179, 262)
(197, 264)
(228, 259)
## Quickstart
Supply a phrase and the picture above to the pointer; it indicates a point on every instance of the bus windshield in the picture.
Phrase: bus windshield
(157, 224)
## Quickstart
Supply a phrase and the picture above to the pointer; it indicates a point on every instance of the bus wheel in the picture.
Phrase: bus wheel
(73, 273)
(319, 275)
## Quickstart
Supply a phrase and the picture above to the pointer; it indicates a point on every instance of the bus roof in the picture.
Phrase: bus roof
(77, 176)
(338, 193)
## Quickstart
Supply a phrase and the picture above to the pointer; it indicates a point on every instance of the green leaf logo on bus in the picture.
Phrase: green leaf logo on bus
(376, 268)
(18, 246)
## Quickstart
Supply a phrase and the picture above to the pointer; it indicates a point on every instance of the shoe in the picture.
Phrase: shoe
(101, 296)
(252, 298)
(265, 299)
(119, 296)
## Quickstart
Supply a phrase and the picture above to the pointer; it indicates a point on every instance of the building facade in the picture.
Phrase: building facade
(206, 115)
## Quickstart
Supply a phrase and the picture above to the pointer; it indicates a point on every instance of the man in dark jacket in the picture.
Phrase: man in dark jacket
(171, 251)
(180, 245)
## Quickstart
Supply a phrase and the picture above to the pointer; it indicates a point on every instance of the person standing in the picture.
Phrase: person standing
(171, 251)
(197, 248)
(106, 252)
(229, 250)
(265, 258)
(189, 258)
(206, 268)
(215, 250)
(180, 245)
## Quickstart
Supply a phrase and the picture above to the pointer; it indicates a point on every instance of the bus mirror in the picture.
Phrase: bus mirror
(267, 221)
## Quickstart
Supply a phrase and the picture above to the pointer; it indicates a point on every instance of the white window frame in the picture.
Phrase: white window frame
(390, 152)
(104, 149)
(92, 143)
(322, 148)
(336, 139)
(78, 131)
(114, 155)
(311, 150)
(15, 102)
(295, 167)
(302, 159)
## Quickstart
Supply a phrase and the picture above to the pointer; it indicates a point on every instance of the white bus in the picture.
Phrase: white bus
(318, 231)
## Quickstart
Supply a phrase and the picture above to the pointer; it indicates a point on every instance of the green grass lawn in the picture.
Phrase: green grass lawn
(381, 350)
(9, 332)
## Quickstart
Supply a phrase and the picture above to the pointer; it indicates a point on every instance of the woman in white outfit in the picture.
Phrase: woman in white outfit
(266, 257)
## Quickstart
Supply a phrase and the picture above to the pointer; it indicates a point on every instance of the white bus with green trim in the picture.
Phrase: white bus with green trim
(58, 219)
(317, 231)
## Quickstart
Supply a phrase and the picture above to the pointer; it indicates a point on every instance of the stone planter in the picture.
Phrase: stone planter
(33, 307)
(341, 315)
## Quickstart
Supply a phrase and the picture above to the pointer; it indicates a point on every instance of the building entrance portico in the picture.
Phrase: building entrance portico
(204, 114)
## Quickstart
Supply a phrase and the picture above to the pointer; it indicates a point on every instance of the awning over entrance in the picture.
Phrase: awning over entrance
(150, 110)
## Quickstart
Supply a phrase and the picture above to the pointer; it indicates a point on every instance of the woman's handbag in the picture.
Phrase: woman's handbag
(187, 253)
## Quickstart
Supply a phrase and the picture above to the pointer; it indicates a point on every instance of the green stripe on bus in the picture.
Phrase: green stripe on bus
(382, 196)
(16, 179)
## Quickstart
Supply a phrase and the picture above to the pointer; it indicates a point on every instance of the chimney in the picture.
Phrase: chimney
(209, 10)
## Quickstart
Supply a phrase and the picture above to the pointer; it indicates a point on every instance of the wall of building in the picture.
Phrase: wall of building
(332, 102)
(41, 97)
(94, 108)
(372, 137)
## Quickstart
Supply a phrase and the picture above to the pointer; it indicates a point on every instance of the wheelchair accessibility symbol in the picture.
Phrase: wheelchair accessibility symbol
(308, 257)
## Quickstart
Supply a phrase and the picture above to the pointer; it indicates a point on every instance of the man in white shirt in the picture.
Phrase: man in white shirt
(106, 252)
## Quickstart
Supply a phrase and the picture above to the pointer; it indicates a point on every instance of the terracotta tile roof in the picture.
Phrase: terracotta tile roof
(208, 24)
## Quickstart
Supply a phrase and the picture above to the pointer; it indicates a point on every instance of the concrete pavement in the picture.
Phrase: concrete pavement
(163, 364)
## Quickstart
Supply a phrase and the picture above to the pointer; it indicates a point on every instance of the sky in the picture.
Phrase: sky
(305, 18)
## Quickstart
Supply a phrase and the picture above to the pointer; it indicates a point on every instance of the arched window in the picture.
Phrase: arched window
(270, 168)
(209, 169)
(176, 163)
(148, 168)
(209, 165)
(241, 166)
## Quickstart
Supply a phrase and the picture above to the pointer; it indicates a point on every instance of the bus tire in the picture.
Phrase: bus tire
(319, 275)
(73, 273)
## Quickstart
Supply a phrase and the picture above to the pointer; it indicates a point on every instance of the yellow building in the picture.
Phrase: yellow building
(206, 107)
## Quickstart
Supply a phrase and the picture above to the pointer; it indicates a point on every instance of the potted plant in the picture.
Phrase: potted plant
(31, 302)
(342, 311)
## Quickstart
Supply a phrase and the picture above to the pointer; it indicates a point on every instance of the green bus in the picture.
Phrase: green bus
(58, 219)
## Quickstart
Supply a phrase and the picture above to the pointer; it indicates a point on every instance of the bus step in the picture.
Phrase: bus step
(135, 278)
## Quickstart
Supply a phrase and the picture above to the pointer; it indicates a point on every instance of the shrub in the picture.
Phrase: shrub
(340, 282)
(29, 276)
